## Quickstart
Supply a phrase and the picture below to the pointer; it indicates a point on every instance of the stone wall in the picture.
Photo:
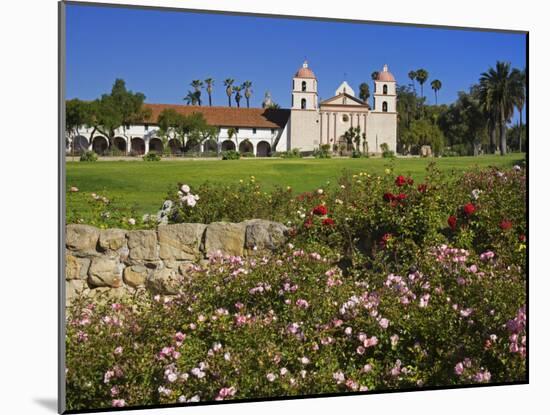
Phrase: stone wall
(118, 261)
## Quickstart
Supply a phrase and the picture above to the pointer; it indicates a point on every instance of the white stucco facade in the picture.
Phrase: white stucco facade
(307, 125)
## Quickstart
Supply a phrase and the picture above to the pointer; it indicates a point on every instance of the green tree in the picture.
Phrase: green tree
(353, 136)
(77, 116)
(520, 103)
(374, 75)
(499, 91)
(191, 98)
(464, 123)
(232, 132)
(436, 86)
(228, 83)
(118, 109)
(197, 85)
(422, 132)
(238, 95)
(364, 92)
(421, 78)
(209, 87)
(247, 85)
(412, 77)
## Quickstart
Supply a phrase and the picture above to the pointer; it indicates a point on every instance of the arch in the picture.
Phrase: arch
(175, 146)
(138, 145)
(80, 144)
(210, 146)
(263, 149)
(155, 144)
(228, 145)
(304, 85)
(385, 89)
(100, 145)
(246, 147)
(192, 146)
(303, 104)
(384, 106)
(120, 144)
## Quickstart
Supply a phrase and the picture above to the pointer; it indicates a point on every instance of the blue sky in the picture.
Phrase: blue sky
(160, 52)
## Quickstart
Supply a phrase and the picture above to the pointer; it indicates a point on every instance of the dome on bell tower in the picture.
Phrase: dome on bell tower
(305, 72)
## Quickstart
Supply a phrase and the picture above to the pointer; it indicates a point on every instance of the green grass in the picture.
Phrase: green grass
(145, 184)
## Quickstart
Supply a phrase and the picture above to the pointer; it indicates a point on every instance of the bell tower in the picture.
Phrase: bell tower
(385, 95)
(304, 89)
(304, 113)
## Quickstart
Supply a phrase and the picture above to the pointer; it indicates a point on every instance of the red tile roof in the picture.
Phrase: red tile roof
(228, 116)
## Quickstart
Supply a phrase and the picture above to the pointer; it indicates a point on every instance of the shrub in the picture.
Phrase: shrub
(248, 154)
(295, 324)
(103, 211)
(386, 152)
(323, 152)
(88, 156)
(115, 152)
(231, 155)
(152, 156)
(233, 203)
(209, 154)
(378, 289)
(291, 154)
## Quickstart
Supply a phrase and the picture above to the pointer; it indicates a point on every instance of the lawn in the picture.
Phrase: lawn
(145, 184)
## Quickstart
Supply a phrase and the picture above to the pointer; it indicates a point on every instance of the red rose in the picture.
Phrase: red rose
(308, 223)
(400, 181)
(469, 209)
(410, 181)
(506, 225)
(401, 197)
(320, 210)
(522, 238)
(452, 222)
(388, 197)
(328, 222)
(422, 188)
(385, 239)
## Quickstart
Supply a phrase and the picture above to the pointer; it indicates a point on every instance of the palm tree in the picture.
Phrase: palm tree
(421, 77)
(191, 98)
(228, 83)
(412, 77)
(499, 91)
(520, 102)
(247, 85)
(436, 86)
(238, 95)
(209, 82)
(197, 85)
(364, 92)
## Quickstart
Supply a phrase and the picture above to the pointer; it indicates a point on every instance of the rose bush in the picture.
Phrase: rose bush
(385, 284)
(295, 324)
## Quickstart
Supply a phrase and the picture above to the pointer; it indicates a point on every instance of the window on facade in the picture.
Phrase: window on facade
(384, 106)
(253, 131)
(303, 103)
(273, 131)
(146, 127)
(385, 89)
(303, 85)
(345, 118)
(236, 129)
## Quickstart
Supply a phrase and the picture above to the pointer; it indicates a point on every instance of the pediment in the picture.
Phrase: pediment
(344, 99)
